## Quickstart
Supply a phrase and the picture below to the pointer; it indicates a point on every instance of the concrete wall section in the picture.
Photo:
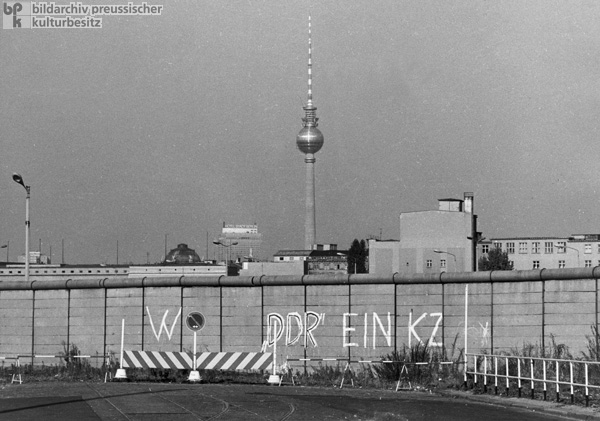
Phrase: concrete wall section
(241, 319)
(288, 318)
(335, 331)
(206, 301)
(420, 316)
(86, 323)
(16, 323)
(51, 324)
(479, 323)
(162, 319)
(127, 304)
(518, 315)
(374, 321)
(570, 312)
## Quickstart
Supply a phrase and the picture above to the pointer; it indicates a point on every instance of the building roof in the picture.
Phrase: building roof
(311, 253)
(182, 254)
(584, 237)
(293, 253)
(527, 238)
(572, 238)
(326, 253)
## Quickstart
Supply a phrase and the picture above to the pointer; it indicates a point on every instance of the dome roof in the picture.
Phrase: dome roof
(182, 254)
(310, 139)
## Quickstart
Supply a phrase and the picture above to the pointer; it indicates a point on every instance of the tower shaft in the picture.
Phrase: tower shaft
(310, 225)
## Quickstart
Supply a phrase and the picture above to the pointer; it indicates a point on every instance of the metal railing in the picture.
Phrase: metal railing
(286, 369)
(17, 376)
(534, 371)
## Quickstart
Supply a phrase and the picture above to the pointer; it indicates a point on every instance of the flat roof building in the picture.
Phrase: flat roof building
(323, 258)
(577, 250)
(432, 241)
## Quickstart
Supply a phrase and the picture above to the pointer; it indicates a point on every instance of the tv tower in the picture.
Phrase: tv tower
(310, 141)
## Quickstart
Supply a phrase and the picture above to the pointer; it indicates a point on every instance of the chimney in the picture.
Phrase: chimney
(469, 209)
(468, 202)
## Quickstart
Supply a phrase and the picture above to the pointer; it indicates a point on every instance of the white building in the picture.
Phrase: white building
(577, 250)
(35, 257)
(239, 242)
(431, 241)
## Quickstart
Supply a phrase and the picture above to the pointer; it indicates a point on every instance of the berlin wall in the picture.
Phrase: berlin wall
(349, 316)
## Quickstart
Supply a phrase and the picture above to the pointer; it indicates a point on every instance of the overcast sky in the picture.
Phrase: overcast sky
(172, 124)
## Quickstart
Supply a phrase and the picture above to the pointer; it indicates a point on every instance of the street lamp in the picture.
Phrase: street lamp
(18, 179)
(227, 246)
(447, 252)
(559, 246)
(6, 246)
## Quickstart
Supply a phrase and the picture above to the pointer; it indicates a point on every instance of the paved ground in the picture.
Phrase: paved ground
(151, 401)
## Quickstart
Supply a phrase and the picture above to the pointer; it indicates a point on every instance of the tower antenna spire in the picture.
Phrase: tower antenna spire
(309, 102)
(310, 115)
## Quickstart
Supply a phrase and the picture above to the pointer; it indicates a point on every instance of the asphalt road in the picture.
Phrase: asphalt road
(151, 401)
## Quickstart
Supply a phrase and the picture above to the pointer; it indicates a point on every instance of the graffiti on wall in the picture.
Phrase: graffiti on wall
(347, 329)
(358, 330)
(431, 342)
(302, 326)
(482, 332)
(163, 324)
(365, 330)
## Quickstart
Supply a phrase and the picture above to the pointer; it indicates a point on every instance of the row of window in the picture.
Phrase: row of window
(536, 247)
(283, 259)
(562, 264)
(536, 264)
(429, 263)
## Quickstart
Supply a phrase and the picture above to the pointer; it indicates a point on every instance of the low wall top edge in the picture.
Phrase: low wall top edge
(289, 280)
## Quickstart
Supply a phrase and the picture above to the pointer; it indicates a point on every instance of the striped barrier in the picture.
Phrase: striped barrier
(204, 360)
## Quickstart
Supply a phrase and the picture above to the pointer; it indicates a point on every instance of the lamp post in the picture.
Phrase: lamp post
(228, 247)
(18, 179)
(572, 248)
(5, 246)
(166, 235)
(447, 252)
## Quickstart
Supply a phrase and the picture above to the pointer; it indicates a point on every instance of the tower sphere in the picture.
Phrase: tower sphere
(310, 140)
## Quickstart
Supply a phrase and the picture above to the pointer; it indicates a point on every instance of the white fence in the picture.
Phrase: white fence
(536, 373)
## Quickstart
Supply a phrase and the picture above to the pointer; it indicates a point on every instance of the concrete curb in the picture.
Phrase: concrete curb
(552, 408)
